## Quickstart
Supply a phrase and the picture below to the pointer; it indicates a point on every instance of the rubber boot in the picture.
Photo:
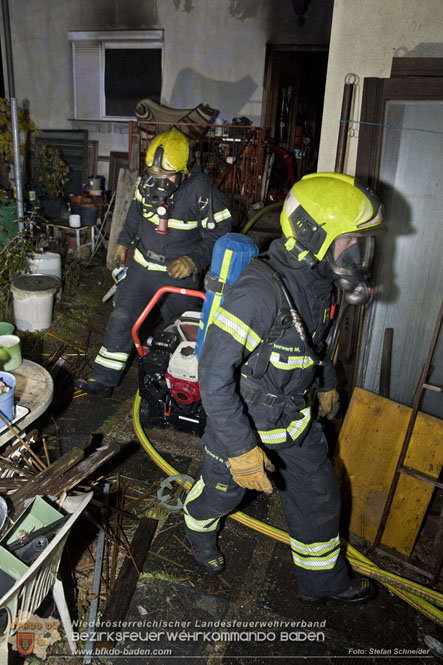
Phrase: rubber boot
(360, 590)
(206, 552)
(93, 387)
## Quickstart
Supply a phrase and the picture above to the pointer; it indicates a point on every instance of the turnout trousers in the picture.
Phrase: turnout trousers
(132, 295)
(310, 497)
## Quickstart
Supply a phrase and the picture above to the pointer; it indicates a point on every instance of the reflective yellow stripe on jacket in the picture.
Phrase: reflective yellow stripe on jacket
(172, 223)
(217, 217)
(149, 265)
(242, 333)
(292, 362)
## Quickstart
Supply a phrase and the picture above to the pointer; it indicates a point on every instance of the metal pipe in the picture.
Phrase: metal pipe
(17, 166)
(344, 122)
(14, 115)
(8, 48)
(93, 608)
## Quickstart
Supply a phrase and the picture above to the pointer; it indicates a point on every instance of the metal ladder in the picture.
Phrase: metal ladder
(401, 468)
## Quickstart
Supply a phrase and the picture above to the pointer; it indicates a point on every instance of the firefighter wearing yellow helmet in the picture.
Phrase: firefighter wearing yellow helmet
(333, 217)
(172, 224)
(263, 352)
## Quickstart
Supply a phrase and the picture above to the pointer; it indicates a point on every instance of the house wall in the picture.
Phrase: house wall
(214, 52)
(365, 36)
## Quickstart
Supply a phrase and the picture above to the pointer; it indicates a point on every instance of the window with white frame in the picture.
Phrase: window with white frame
(113, 70)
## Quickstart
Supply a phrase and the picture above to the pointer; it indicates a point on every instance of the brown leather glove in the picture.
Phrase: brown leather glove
(181, 267)
(248, 470)
(329, 404)
(120, 254)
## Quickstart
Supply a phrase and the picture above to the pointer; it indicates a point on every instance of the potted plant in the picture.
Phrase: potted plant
(52, 173)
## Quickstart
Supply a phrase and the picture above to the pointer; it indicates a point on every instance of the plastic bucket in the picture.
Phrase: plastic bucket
(33, 300)
(88, 214)
(7, 399)
(6, 328)
(47, 263)
(75, 221)
(10, 352)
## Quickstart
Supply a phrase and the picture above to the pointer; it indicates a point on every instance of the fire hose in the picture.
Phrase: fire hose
(425, 600)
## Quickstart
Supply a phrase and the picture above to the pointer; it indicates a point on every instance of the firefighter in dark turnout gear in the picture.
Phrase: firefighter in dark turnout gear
(263, 352)
(172, 224)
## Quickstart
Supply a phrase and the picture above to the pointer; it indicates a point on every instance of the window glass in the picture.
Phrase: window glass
(131, 74)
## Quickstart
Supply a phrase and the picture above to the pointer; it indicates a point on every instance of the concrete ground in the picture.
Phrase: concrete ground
(250, 613)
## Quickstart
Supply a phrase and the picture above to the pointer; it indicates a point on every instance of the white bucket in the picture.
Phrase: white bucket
(75, 221)
(33, 300)
(47, 263)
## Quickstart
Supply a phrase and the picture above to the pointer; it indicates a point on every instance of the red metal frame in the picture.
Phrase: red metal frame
(241, 180)
(141, 350)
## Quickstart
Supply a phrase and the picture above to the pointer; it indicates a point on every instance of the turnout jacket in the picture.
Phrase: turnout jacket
(227, 362)
(198, 215)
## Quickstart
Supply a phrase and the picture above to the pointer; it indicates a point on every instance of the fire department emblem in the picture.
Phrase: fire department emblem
(25, 643)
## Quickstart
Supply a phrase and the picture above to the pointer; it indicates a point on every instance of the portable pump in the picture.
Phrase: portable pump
(168, 361)
(168, 377)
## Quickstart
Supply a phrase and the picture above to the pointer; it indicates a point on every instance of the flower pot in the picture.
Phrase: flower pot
(88, 214)
(10, 353)
(7, 399)
(6, 328)
(75, 203)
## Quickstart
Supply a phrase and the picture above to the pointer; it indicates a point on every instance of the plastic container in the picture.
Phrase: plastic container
(75, 221)
(6, 328)
(33, 300)
(37, 515)
(88, 214)
(47, 263)
(75, 202)
(11, 570)
(7, 399)
(10, 352)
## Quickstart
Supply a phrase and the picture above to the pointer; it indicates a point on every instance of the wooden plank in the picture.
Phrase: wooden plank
(126, 582)
(75, 475)
(123, 197)
(369, 445)
(39, 483)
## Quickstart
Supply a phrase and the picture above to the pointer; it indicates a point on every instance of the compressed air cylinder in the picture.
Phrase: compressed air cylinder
(231, 254)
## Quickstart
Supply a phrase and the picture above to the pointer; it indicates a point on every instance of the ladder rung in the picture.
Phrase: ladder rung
(437, 389)
(420, 476)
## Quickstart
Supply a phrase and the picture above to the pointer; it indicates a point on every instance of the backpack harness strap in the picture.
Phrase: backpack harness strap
(287, 317)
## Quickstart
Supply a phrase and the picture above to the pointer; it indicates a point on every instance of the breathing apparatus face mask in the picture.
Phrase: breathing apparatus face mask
(156, 189)
(348, 261)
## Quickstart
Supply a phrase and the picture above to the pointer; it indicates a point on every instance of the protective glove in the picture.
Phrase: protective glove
(248, 470)
(120, 254)
(181, 267)
(329, 404)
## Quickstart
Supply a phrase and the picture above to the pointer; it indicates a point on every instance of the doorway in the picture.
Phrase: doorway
(295, 86)
(400, 155)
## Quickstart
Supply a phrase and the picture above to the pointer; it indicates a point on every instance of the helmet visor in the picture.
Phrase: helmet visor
(351, 254)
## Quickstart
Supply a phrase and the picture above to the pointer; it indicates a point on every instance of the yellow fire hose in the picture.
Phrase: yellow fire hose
(426, 601)
(272, 206)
